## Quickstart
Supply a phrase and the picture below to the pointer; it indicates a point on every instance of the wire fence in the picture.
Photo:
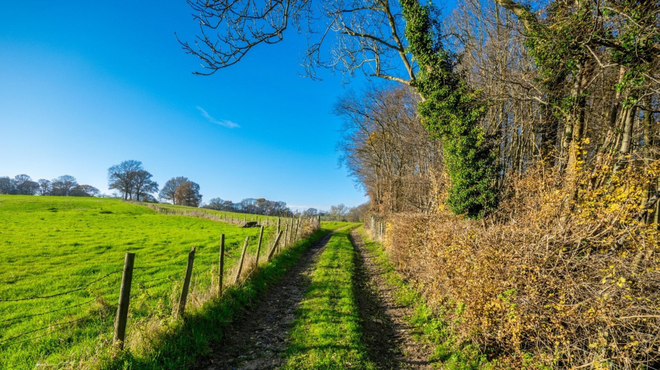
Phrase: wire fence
(110, 286)
(83, 287)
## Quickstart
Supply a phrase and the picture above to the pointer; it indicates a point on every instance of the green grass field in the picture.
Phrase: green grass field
(60, 268)
(327, 332)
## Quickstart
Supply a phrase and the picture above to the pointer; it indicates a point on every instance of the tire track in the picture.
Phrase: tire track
(386, 332)
(259, 337)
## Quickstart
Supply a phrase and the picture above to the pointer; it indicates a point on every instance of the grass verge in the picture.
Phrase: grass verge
(326, 333)
(427, 326)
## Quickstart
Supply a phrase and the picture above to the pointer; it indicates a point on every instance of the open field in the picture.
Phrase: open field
(61, 261)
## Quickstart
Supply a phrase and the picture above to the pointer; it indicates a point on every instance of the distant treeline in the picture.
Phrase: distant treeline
(132, 182)
(262, 206)
(62, 186)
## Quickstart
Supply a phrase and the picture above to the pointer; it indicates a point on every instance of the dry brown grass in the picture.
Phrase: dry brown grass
(578, 291)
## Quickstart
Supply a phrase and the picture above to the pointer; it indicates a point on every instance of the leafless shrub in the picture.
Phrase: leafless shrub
(576, 291)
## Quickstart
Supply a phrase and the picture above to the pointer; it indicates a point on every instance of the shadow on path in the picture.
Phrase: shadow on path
(385, 331)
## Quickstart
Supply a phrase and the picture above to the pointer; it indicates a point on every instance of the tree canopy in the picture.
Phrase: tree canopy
(131, 180)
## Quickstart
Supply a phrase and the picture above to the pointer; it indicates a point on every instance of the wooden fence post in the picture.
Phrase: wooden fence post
(286, 233)
(272, 249)
(278, 224)
(124, 298)
(240, 263)
(261, 235)
(295, 235)
(221, 267)
(186, 283)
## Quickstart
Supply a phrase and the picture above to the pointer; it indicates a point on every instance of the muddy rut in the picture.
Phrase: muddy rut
(385, 331)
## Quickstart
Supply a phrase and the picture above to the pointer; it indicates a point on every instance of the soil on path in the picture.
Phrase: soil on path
(258, 338)
(385, 331)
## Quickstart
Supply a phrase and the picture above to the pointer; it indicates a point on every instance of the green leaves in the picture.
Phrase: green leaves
(452, 111)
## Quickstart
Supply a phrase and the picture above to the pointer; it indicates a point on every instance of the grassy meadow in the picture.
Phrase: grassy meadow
(60, 268)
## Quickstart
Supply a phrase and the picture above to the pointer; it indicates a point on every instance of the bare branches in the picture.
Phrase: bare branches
(229, 29)
(363, 35)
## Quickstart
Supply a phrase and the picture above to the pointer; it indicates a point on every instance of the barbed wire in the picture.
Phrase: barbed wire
(153, 280)
(41, 329)
(46, 313)
(163, 266)
(61, 293)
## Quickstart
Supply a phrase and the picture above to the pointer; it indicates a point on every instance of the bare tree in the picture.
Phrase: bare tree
(385, 147)
(7, 185)
(25, 185)
(63, 185)
(367, 36)
(187, 194)
(168, 190)
(85, 191)
(44, 187)
(143, 184)
(131, 179)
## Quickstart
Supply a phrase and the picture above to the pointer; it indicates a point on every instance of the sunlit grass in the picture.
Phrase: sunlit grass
(51, 245)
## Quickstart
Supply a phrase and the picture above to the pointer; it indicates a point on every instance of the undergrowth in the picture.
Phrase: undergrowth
(545, 282)
(428, 327)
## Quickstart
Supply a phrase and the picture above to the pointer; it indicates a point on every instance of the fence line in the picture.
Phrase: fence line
(140, 286)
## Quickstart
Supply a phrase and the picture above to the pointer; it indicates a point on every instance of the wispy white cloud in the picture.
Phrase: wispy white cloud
(221, 122)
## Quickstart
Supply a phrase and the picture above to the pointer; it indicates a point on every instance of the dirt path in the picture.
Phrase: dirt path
(258, 338)
(386, 333)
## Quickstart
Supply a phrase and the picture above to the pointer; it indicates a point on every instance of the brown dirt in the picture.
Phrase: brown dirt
(386, 332)
(258, 339)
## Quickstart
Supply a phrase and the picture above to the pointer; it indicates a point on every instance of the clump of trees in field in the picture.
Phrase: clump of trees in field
(181, 191)
(341, 212)
(132, 181)
(61, 186)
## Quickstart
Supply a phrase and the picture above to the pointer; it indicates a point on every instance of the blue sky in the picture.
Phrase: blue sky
(86, 85)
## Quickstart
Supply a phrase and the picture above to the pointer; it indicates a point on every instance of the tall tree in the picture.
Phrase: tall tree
(44, 187)
(386, 148)
(168, 190)
(7, 185)
(143, 185)
(371, 36)
(131, 179)
(187, 194)
(63, 185)
(25, 185)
